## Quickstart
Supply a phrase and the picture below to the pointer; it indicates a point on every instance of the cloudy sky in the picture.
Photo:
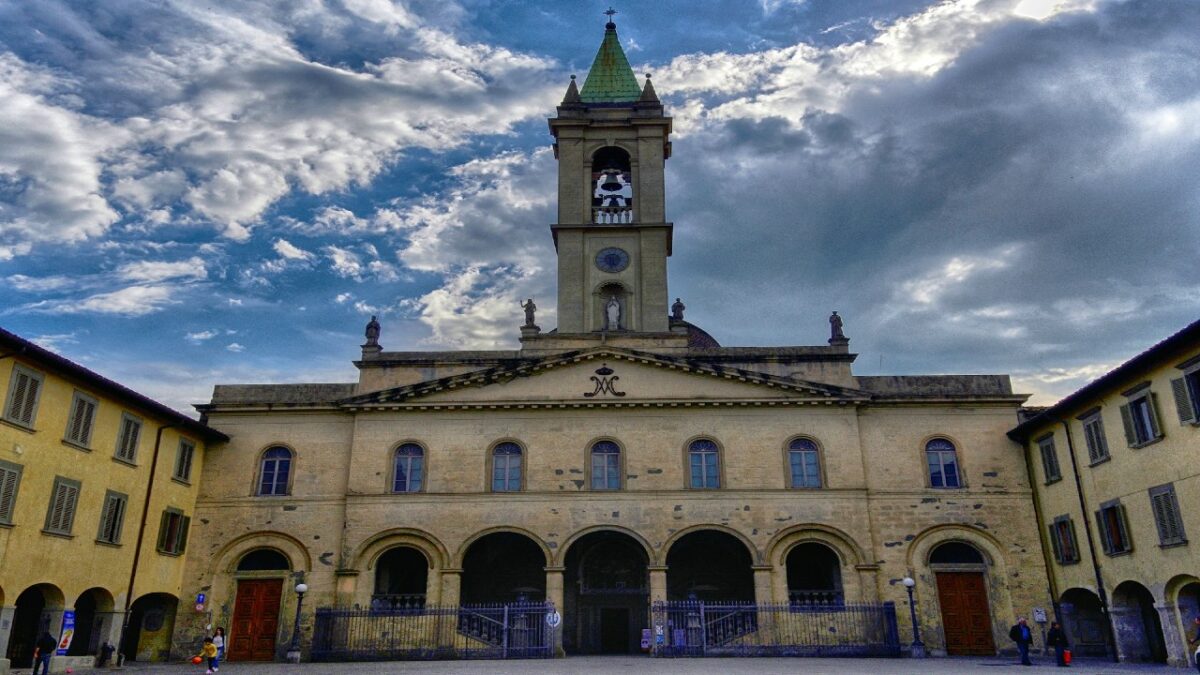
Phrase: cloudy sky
(224, 191)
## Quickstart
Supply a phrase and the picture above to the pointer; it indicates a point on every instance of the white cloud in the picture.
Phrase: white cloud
(153, 271)
(129, 302)
(930, 288)
(291, 252)
(235, 347)
(343, 298)
(29, 284)
(55, 342)
(201, 336)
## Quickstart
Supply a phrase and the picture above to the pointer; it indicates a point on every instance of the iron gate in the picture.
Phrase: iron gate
(694, 628)
(502, 631)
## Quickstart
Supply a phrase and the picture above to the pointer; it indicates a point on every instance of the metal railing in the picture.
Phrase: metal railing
(694, 628)
(612, 214)
(508, 631)
(389, 602)
(818, 598)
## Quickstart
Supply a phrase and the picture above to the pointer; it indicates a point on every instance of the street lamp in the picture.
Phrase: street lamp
(293, 654)
(917, 648)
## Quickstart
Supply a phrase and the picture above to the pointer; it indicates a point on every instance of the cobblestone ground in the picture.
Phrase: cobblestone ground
(636, 665)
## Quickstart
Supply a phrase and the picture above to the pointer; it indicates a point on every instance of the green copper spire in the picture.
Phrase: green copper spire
(610, 79)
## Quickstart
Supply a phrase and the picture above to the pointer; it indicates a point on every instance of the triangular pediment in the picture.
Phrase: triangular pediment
(607, 376)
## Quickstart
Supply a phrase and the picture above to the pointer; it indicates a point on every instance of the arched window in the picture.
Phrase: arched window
(814, 575)
(956, 553)
(703, 461)
(943, 464)
(263, 559)
(410, 468)
(805, 463)
(275, 471)
(606, 466)
(506, 468)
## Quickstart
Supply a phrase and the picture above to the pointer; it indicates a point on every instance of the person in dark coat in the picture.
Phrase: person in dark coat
(45, 647)
(1057, 638)
(1195, 640)
(1023, 636)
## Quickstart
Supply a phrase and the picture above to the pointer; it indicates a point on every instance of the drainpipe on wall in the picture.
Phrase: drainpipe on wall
(1087, 528)
(137, 549)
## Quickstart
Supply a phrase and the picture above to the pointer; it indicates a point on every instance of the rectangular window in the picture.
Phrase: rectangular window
(506, 473)
(1049, 459)
(23, 394)
(112, 517)
(183, 460)
(606, 471)
(79, 424)
(1140, 418)
(128, 438)
(1093, 434)
(60, 516)
(1167, 516)
(705, 472)
(1114, 528)
(1062, 540)
(10, 480)
(173, 532)
(1186, 391)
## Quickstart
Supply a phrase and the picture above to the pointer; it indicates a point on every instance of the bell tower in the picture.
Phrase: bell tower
(612, 238)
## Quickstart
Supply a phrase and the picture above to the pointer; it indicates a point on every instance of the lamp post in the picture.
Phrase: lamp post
(917, 648)
(293, 654)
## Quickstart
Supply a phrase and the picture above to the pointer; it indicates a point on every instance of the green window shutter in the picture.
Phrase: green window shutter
(106, 519)
(1054, 543)
(1127, 420)
(10, 478)
(1155, 426)
(1161, 516)
(184, 524)
(1183, 401)
(72, 498)
(1122, 525)
(16, 400)
(163, 526)
(1105, 540)
(1074, 541)
(30, 403)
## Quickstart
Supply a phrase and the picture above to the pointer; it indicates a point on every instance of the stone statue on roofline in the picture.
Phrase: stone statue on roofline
(836, 336)
(677, 310)
(372, 332)
(529, 308)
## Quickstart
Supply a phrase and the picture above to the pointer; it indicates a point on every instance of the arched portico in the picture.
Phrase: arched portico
(710, 564)
(606, 592)
(1137, 624)
(93, 621)
(504, 566)
(38, 608)
(856, 585)
(1083, 620)
(1180, 612)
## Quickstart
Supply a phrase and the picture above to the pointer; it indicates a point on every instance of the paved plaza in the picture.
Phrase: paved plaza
(636, 665)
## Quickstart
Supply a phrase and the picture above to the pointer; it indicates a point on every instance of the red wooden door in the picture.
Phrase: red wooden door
(966, 617)
(255, 620)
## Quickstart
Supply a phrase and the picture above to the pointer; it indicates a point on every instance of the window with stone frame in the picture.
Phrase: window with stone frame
(1167, 516)
(1186, 392)
(704, 464)
(24, 393)
(275, 472)
(112, 517)
(606, 466)
(10, 480)
(1140, 416)
(60, 515)
(1050, 468)
(183, 460)
(173, 532)
(1093, 436)
(409, 470)
(1113, 525)
(1063, 542)
(942, 459)
(506, 467)
(804, 463)
(128, 438)
(80, 422)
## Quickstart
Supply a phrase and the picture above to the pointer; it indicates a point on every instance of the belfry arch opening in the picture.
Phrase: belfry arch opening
(711, 566)
(503, 567)
(606, 594)
(612, 186)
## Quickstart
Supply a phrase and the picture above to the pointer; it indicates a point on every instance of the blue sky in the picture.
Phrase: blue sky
(194, 193)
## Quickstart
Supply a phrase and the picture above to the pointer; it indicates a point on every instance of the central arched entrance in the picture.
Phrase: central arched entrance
(503, 567)
(606, 594)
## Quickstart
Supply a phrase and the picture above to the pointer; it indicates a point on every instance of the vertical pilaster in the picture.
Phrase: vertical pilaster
(658, 583)
(451, 586)
(762, 584)
(6, 625)
(554, 595)
(1177, 649)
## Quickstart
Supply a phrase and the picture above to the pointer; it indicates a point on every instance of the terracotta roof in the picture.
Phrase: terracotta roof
(12, 344)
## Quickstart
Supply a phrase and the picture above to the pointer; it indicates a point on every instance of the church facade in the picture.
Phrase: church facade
(621, 459)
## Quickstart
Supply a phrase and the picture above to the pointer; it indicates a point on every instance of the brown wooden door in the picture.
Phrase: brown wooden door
(966, 617)
(255, 620)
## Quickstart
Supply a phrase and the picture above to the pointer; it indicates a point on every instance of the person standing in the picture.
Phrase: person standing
(43, 650)
(219, 641)
(1195, 640)
(1023, 636)
(209, 654)
(1057, 638)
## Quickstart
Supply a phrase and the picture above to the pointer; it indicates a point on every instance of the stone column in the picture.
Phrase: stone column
(451, 586)
(1177, 647)
(451, 579)
(763, 594)
(345, 588)
(554, 595)
(658, 583)
(764, 597)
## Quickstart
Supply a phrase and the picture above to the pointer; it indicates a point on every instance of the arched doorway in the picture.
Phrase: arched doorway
(1137, 625)
(1187, 602)
(37, 607)
(814, 575)
(255, 627)
(503, 567)
(1083, 620)
(151, 624)
(606, 594)
(710, 565)
(961, 570)
(401, 577)
(93, 614)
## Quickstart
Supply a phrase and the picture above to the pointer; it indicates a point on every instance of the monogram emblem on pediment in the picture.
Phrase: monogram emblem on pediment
(605, 381)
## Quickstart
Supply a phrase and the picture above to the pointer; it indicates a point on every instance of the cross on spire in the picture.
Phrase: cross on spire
(610, 14)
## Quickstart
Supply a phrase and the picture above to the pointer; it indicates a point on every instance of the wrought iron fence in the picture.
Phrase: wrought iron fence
(694, 628)
(508, 631)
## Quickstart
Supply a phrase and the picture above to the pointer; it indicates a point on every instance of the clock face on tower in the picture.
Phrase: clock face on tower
(612, 260)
